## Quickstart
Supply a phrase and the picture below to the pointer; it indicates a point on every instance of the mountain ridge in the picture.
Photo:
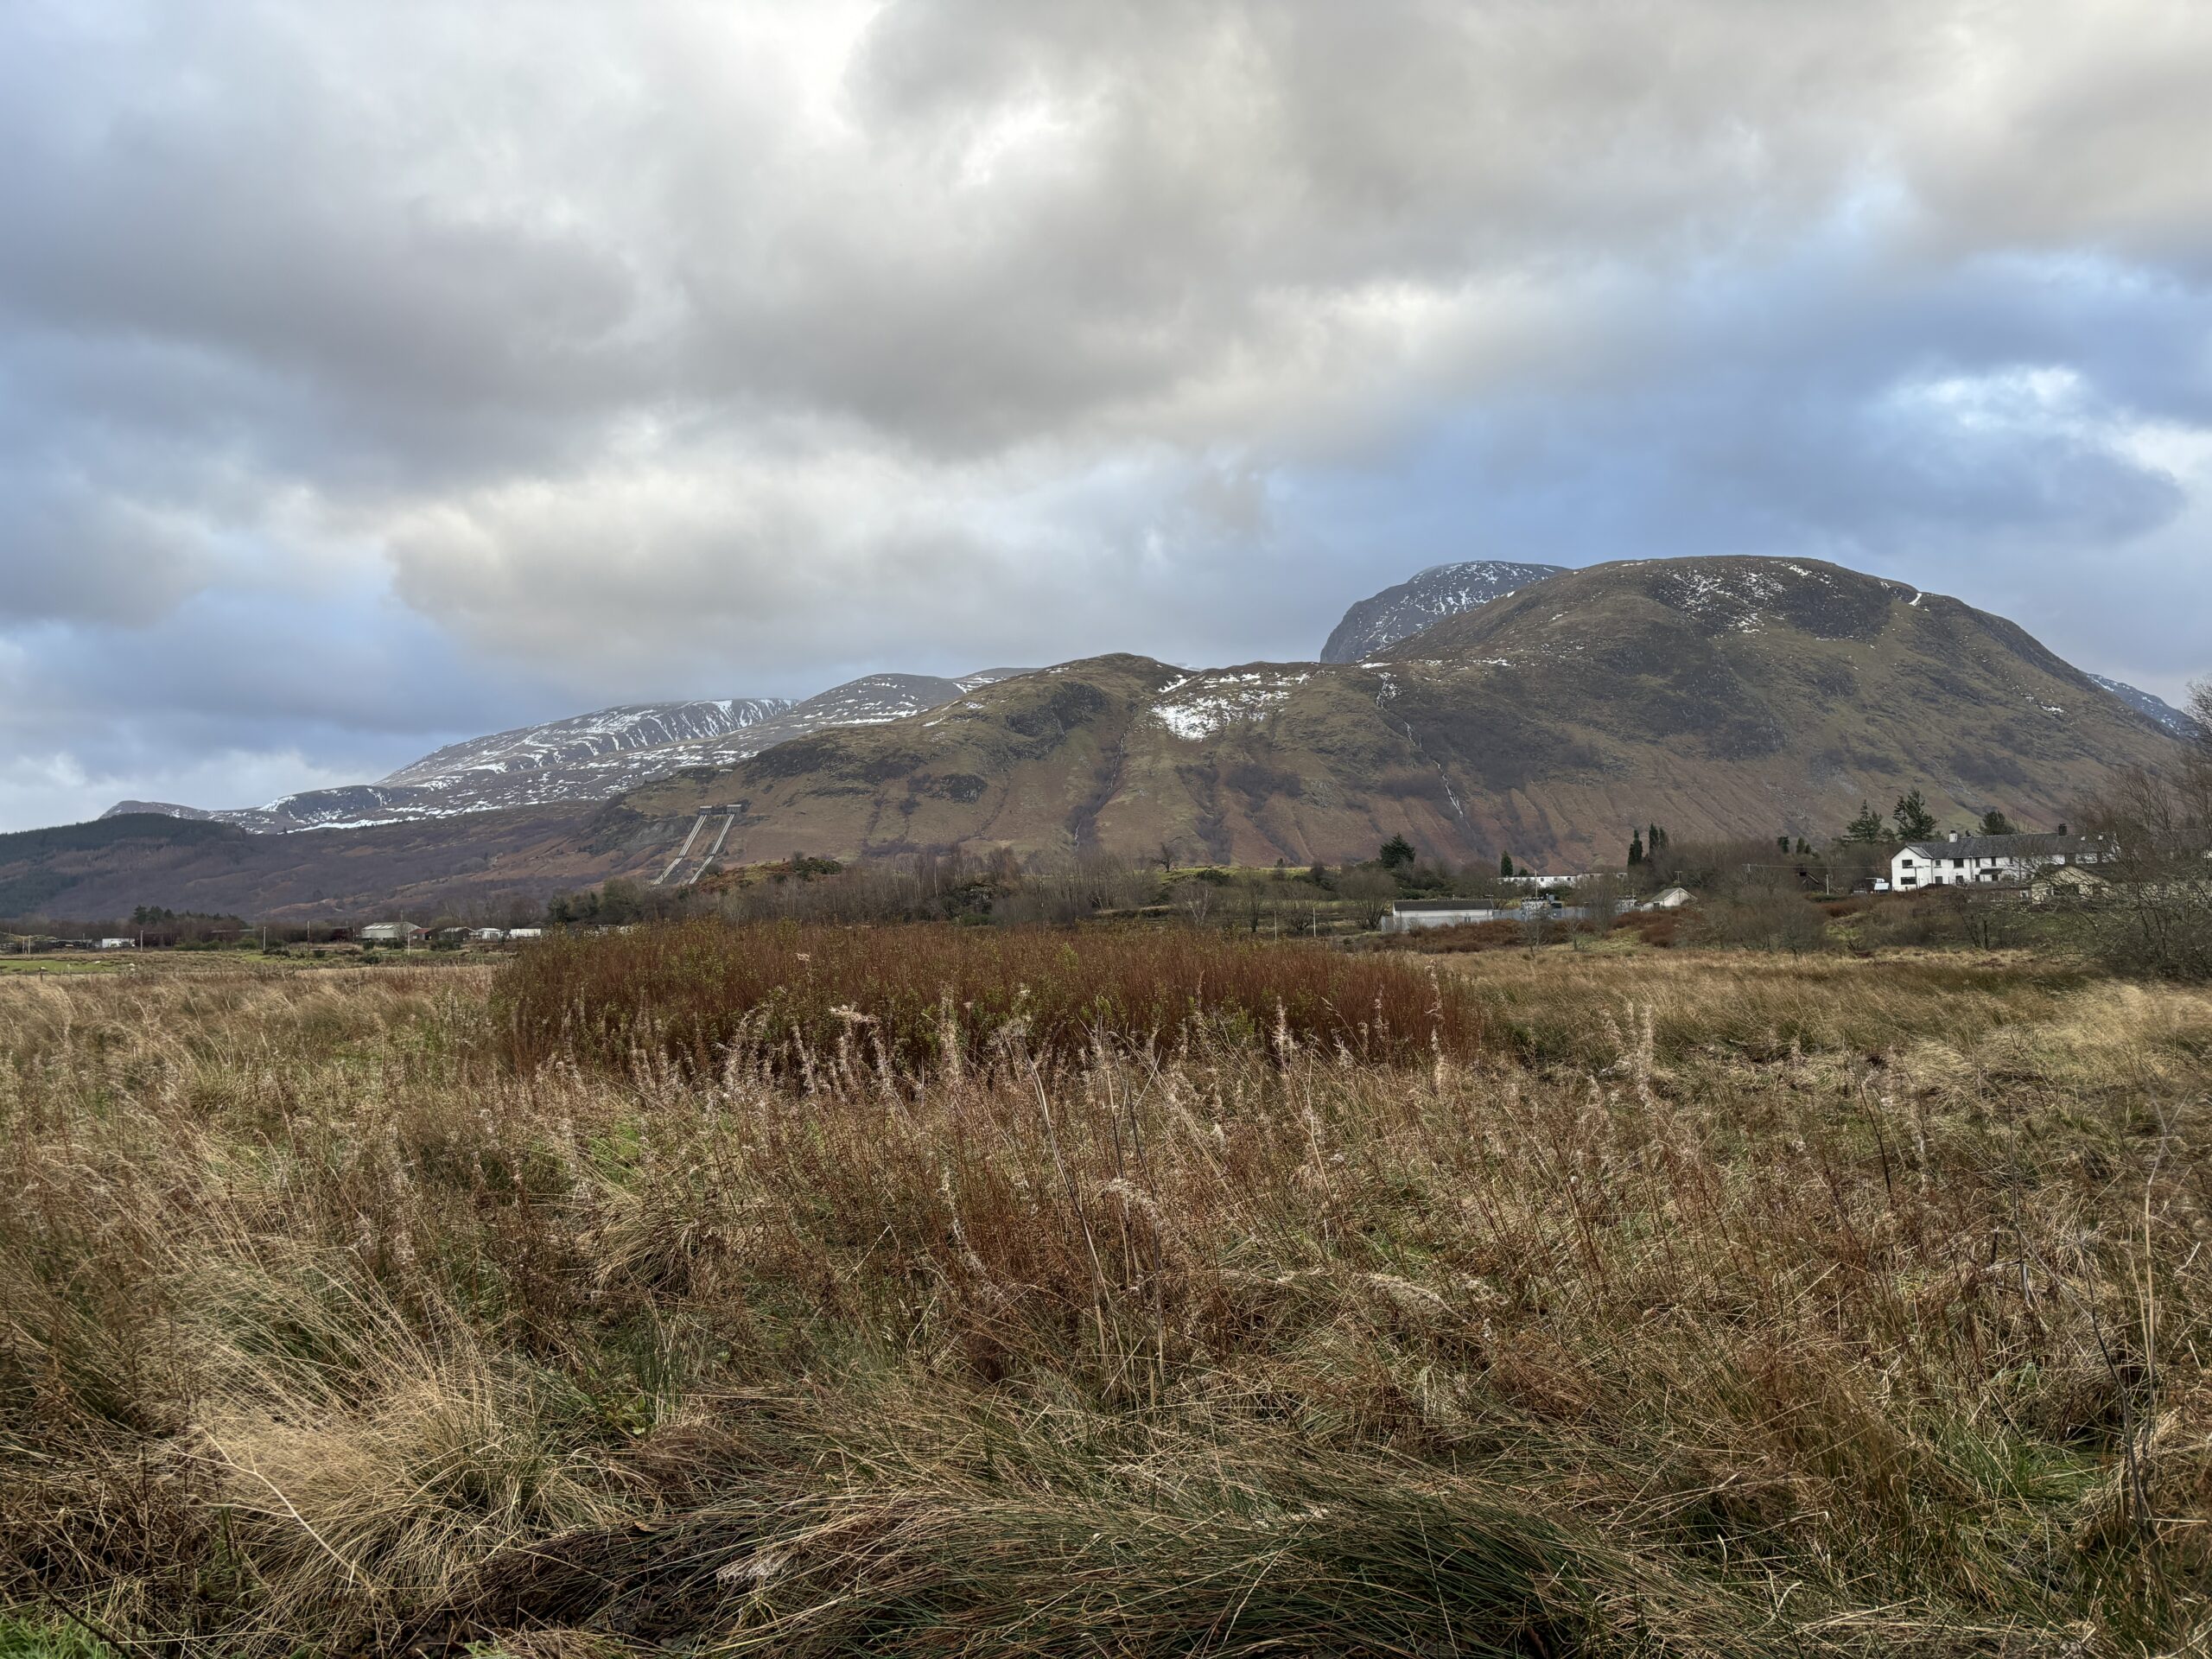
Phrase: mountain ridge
(583, 759)
(2179, 722)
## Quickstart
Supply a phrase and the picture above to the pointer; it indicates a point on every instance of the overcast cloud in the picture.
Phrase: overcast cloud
(375, 373)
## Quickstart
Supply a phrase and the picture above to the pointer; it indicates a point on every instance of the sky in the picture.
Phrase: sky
(378, 372)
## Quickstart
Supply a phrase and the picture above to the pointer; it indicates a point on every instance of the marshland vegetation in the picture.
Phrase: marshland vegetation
(823, 1290)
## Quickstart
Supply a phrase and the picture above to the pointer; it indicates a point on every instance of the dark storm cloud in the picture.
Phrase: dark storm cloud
(521, 356)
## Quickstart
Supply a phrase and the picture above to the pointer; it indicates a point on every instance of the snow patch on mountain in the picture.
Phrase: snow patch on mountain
(1200, 705)
(1731, 599)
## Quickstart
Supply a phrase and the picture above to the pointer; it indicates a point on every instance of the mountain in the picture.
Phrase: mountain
(1724, 696)
(585, 758)
(1720, 697)
(2157, 709)
(1376, 624)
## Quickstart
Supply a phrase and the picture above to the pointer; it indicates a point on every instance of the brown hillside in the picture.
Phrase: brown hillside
(106, 868)
(1720, 697)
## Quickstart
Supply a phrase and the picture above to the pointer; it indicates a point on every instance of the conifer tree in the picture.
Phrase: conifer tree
(1914, 821)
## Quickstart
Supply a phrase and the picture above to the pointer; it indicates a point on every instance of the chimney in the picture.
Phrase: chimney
(1955, 834)
(2062, 829)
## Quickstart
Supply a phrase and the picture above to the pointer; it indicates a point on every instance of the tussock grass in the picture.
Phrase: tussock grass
(1561, 1006)
(917, 994)
(1717, 1307)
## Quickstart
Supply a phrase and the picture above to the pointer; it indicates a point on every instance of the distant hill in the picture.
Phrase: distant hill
(108, 868)
(1377, 623)
(40, 868)
(1720, 697)
(585, 758)
(2173, 719)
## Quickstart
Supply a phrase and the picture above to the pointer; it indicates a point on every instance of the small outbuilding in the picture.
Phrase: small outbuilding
(2067, 884)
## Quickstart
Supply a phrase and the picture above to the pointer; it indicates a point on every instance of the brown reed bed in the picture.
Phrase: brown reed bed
(918, 995)
(1683, 1322)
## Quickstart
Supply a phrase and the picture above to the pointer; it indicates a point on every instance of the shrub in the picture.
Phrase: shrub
(1762, 918)
(909, 996)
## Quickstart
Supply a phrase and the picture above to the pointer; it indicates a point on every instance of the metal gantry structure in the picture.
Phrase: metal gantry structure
(706, 861)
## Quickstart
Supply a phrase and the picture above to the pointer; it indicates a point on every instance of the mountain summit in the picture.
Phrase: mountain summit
(1381, 620)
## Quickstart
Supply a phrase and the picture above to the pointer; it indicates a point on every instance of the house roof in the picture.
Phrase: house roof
(2003, 847)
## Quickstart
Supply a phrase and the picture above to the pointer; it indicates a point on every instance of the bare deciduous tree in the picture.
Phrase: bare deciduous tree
(1372, 891)
(2155, 915)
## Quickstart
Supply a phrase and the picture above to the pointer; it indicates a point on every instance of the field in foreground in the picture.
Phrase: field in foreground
(1684, 1305)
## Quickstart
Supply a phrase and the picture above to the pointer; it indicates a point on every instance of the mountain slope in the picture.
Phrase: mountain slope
(475, 864)
(2173, 719)
(585, 758)
(1721, 696)
(1116, 754)
(1378, 622)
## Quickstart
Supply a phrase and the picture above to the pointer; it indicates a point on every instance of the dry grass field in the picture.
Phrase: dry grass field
(1683, 1303)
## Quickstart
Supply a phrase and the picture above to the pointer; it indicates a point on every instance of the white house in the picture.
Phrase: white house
(393, 933)
(487, 935)
(1963, 860)
(118, 944)
(525, 932)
